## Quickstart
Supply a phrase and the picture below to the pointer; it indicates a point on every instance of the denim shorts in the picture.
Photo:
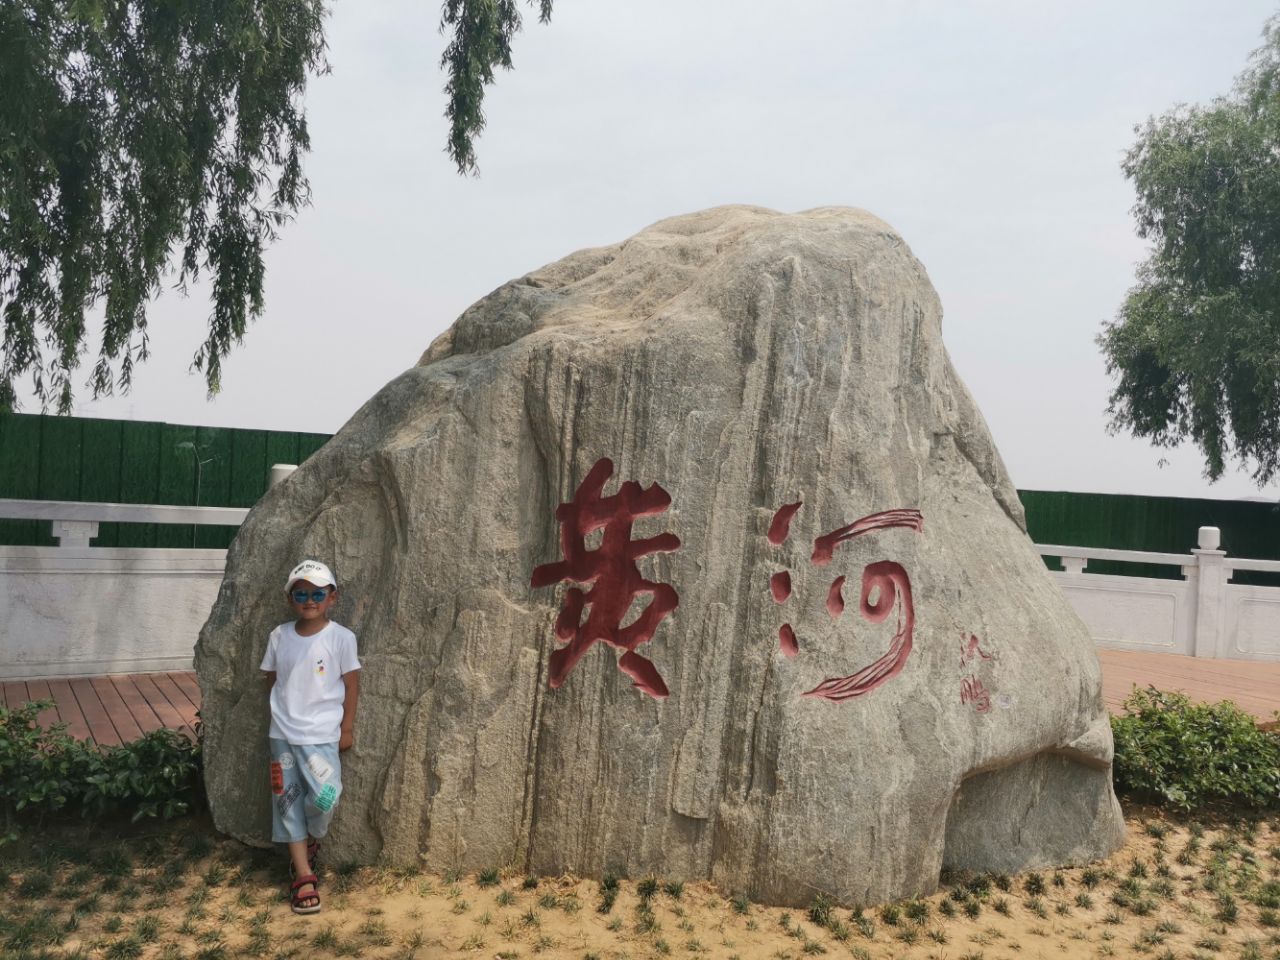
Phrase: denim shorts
(306, 782)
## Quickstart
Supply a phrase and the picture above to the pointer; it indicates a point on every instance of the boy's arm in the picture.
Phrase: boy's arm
(268, 665)
(350, 680)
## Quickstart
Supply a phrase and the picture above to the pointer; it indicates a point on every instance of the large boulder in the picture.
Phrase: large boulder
(852, 671)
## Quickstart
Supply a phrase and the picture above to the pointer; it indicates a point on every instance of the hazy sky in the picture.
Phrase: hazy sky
(990, 134)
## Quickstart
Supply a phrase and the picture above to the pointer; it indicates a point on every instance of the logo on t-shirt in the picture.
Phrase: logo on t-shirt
(320, 666)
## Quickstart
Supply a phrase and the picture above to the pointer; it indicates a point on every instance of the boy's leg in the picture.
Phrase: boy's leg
(288, 823)
(298, 858)
(319, 767)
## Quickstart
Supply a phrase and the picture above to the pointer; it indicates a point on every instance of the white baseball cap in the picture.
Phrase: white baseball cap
(312, 571)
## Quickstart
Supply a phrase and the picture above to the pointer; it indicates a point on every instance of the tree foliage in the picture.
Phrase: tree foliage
(1195, 348)
(482, 32)
(153, 141)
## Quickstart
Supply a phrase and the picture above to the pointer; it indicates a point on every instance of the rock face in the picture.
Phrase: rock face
(875, 683)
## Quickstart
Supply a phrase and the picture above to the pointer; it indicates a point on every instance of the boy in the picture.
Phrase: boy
(315, 682)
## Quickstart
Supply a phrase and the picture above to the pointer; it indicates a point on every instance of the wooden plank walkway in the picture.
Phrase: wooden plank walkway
(1253, 685)
(113, 710)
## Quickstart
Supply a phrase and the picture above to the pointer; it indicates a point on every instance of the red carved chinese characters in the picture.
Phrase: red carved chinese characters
(835, 597)
(614, 577)
(780, 528)
(887, 579)
(891, 581)
(972, 691)
(780, 586)
(780, 582)
(825, 545)
(787, 641)
(970, 650)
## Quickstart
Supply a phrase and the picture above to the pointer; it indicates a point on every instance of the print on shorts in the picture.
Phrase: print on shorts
(326, 798)
(277, 777)
(318, 767)
(285, 800)
(285, 760)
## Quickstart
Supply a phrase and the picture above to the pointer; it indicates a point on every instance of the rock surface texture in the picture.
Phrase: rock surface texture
(850, 707)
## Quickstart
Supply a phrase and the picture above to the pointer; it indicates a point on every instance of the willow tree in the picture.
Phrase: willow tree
(143, 141)
(1195, 348)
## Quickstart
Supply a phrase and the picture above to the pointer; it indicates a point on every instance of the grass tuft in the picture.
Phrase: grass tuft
(126, 948)
(917, 910)
(820, 910)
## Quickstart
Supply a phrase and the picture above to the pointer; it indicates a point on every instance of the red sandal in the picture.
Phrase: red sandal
(308, 902)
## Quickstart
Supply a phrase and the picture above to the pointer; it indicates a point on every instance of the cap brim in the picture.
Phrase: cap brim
(297, 580)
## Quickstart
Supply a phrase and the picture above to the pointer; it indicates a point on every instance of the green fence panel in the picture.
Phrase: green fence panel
(60, 460)
(282, 448)
(139, 477)
(249, 467)
(105, 461)
(178, 454)
(60, 465)
(309, 443)
(213, 483)
(75, 458)
(20, 474)
(101, 453)
(1157, 524)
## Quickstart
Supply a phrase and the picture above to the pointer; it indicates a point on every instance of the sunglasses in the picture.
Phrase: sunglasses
(315, 596)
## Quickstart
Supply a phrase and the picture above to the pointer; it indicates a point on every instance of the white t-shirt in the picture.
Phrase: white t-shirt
(306, 700)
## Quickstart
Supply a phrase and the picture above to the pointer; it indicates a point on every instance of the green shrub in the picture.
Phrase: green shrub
(1185, 755)
(45, 772)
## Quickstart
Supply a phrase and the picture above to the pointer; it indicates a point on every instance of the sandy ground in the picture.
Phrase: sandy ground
(177, 892)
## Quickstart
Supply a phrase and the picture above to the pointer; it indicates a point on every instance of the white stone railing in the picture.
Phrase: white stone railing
(80, 610)
(76, 523)
(1203, 614)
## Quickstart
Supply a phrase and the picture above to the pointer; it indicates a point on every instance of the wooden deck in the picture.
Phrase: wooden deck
(1253, 685)
(114, 710)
